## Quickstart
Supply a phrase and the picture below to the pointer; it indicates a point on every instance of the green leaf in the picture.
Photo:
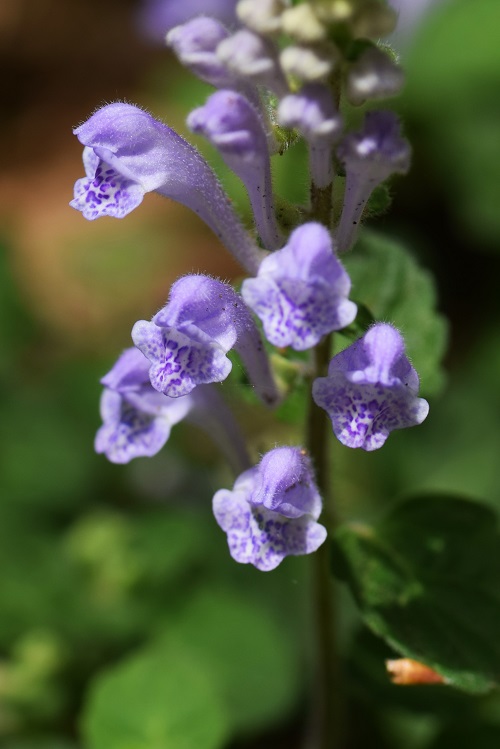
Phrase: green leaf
(427, 580)
(252, 662)
(388, 280)
(160, 698)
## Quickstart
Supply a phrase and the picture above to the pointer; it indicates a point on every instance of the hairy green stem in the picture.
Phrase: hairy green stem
(325, 728)
(325, 731)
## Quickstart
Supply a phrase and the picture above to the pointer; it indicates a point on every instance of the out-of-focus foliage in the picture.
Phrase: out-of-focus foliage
(119, 604)
(453, 70)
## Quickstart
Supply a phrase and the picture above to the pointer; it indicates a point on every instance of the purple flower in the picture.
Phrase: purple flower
(235, 128)
(312, 111)
(370, 156)
(373, 76)
(136, 419)
(300, 292)
(128, 153)
(195, 44)
(371, 389)
(252, 57)
(271, 511)
(159, 16)
(187, 341)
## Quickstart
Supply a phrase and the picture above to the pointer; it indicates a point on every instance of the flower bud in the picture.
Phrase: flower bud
(235, 128)
(261, 16)
(373, 76)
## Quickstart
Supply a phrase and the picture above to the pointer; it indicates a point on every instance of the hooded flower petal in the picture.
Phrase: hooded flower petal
(195, 44)
(187, 341)
(104, 191)
(371, 389)
(129, 153)
(300, 292)
(286, 483)
(262, 536)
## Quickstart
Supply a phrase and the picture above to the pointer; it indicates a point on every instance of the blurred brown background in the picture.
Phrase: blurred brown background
(87, 282)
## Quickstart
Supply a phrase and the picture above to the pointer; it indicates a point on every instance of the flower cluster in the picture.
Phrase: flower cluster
(296, 284)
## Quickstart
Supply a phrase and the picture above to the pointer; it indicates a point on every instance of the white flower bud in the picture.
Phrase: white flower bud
(373, 76)
(301, 23)
(309, 64)
(261, 16)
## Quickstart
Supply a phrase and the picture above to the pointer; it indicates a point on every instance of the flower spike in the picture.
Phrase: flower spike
(300, 292)
(370, 156)
(234, 127)
(187, 340)
(128, 153)
(272, 510)
(371, 389)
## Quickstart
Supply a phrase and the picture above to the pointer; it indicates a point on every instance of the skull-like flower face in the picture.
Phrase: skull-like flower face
(371, 389)
(300, 292)
(271, 511)
(187, 341)
(136, 419)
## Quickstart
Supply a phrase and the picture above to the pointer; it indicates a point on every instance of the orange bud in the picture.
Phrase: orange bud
(405, 671)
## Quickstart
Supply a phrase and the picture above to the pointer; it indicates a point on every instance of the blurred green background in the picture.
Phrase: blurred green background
(124, 624)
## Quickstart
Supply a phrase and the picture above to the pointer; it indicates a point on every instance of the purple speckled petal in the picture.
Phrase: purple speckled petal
(300, 292)
(137, 423)
(371, 389)
(262, 537)
(90, 161)
(107, 193)
(180, 361)
(272, 510)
